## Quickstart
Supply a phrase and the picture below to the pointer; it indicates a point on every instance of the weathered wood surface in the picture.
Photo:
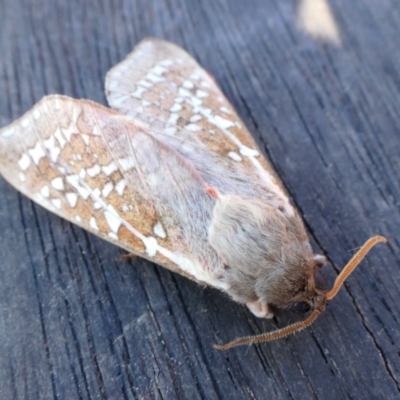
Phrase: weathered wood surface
(78, 323)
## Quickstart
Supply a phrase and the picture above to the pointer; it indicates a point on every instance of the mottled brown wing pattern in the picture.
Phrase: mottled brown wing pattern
(99, 170)
(163, 86)
(138, 179)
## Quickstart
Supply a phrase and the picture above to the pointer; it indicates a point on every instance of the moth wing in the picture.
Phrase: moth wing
(105, 173)
(163, 86)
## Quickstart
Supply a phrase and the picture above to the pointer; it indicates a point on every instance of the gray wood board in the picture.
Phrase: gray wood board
(76, 322)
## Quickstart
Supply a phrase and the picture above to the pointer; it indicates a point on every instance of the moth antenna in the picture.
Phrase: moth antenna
(268, 337)
(298, 326)
(352, 264)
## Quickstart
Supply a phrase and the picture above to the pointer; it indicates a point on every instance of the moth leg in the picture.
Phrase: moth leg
(125, 257)
(260, 309)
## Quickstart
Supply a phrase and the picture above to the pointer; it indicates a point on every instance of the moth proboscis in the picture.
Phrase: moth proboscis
(171, 174)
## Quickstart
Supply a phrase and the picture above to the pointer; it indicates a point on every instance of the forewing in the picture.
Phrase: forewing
(163, 86)
(102, 171)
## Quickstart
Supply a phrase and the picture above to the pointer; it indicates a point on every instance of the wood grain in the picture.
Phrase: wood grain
(78, 323)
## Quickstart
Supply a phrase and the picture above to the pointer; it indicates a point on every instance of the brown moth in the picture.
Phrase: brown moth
(171, 174)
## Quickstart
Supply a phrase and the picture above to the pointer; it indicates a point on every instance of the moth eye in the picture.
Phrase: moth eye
(300, 307)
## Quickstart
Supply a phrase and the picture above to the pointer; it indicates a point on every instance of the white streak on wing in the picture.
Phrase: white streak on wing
(57, 183)
(170, 131)
(7, 132)
(123, 67)
(201, 94)
(24, 162)
(73, 180)
(71, 130)
(93, 223)
(25, 122)
(246, 151)
(223, 124)
(22, 177)
(188, 84)
(225, 110)
(95, 170)
(175, 108)
(152, 247)
(184, 93)
(58, 135)
(113, 84)
(45, 191)
(112, 219)
(173, 118)
(144, 83)
(127, 163)
(193, 127)
(45, 108)
(120, 186)
(192, 267)
(96, 130)
(138, 92)
(154, 78)
(110, 168)
(39, 198)
(72, 199)
(195, 118)
(197, 102)
(166, 62)
(159, 70)
(107, 189)
(118, 100)
(37, 153)
(152, 180)
(235, 156)
(159, 230)
(85, 138)
(57, 203)
(50, 144)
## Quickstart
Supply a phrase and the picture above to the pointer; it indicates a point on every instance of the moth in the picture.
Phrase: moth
(171, 174)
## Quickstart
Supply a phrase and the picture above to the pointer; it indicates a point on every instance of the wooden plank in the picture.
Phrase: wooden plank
(76, 322)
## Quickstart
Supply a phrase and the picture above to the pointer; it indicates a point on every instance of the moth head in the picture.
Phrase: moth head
(298, 326)
(311, 295)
